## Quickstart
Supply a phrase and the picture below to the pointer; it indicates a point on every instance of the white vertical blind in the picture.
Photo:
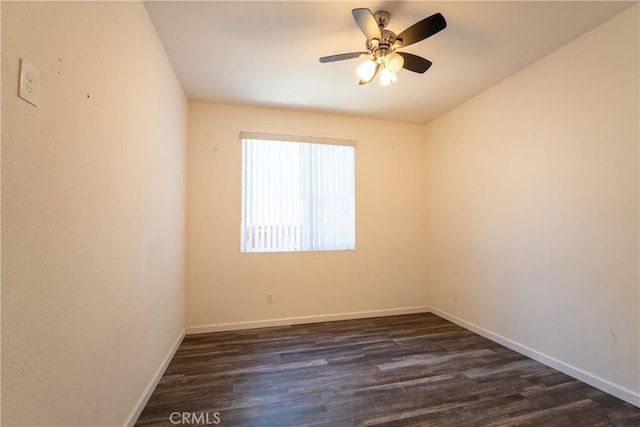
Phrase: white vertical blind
(297, 196)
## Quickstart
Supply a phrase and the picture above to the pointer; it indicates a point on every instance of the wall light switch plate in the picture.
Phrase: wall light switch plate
(29, 88)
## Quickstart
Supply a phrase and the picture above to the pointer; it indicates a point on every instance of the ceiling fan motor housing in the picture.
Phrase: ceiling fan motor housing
(380, 48)
(388, 41)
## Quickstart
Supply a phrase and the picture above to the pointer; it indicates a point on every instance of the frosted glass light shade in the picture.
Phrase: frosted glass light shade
(394, 62)
(366, 70)
(387, 77)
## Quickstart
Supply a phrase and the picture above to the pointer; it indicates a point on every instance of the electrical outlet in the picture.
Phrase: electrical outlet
(455, 296)
(269, 298)
(29, 85)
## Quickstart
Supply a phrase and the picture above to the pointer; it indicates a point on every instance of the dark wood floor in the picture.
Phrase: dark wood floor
(415, 370)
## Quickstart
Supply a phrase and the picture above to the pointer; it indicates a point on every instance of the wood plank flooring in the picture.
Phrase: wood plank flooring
(414, 370)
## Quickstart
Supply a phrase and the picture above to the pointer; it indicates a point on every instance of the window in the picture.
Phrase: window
(298, 193)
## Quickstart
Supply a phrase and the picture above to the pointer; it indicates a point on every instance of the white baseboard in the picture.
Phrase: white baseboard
(222, 327)
(586, 377)
(148, 391)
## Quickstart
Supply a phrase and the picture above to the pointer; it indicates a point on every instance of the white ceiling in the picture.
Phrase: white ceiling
(266, 52)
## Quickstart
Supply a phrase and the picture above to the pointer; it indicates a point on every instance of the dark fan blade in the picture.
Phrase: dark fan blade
(342, 56)
(367, 23)
(423, 29)
(364, 82)
(415, 63)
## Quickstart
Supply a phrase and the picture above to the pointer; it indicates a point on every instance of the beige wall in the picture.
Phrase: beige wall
(532, 206)
(386, 271)
(92, 212)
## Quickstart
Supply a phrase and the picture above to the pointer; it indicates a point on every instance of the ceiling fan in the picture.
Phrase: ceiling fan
(382, 44)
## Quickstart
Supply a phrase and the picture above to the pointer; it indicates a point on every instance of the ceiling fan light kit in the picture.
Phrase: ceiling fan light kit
(382, 43)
